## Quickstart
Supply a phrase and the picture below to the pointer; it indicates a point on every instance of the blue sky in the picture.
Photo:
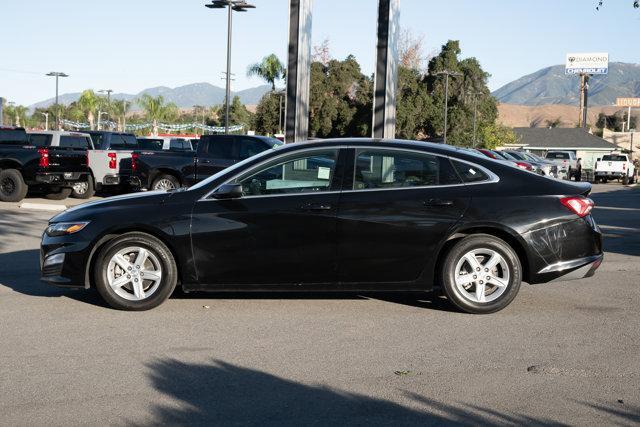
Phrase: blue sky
(132, 45)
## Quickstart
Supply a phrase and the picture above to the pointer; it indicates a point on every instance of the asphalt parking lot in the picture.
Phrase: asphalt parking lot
(567, 352)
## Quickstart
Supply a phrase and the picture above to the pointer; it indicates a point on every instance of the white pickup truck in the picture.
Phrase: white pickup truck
(112, 161)
(615, 166)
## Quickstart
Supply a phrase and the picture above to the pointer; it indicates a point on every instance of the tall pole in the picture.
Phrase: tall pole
(228, 96)
(584, 96)
(628, 119)
(446, 104)
(475, 120)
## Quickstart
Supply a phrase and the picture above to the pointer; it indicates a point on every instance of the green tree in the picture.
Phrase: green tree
(266, 119)
(119, 109)
(155, 110)
(414, 104)
(270, 69)
(495, 135)
(88, 104)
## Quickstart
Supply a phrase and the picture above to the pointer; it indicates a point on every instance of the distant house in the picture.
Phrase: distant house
(587, 146)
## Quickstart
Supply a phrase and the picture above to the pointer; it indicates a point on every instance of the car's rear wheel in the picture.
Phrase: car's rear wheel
(135, 272)
(625, 180)
(165, 183)
(481, 274)
(83, 189)
(12, 186)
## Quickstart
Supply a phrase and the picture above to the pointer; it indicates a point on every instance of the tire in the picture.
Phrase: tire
(62, 194)
(604, 180)
(165, 182)
(125, 294)
(569, 174)
(625, 180)
(84, 189)
(492, 297)
(12, 186)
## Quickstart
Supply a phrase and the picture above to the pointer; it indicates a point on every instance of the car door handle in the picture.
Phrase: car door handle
(315, 207)
(437, 203)
(205, 161)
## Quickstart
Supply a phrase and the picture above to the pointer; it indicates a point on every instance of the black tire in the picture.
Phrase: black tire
(12, 186)
(61, 194)
(625, 180)
(139, 240)
(167, 180)
(605, 180)
(84, 193)
(475, 242)
(569, 174)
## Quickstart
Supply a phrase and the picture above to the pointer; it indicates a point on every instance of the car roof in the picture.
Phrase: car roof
(58, 132)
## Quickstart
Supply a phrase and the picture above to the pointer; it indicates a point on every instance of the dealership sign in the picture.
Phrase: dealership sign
(587, 63)
(627, 102)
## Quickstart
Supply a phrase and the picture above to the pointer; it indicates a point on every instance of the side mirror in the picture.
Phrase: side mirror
(599, 159)
(228, 191)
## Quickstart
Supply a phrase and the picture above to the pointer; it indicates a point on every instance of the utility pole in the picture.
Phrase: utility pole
(57, 75)
(46, 120)
(108, 92)
(584, 96)
(1, 111)
(446, 74)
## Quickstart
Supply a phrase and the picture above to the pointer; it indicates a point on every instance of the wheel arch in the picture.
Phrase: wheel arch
(508, 235)
(10, 164)
(114, 233)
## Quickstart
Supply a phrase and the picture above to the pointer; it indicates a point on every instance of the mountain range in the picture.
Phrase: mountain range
(183, 96)
(551, 86)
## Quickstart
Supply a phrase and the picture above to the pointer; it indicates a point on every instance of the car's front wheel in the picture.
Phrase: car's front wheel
(135, 271)
(481, 274)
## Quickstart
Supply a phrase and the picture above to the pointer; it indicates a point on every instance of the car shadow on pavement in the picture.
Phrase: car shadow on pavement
(221, 393)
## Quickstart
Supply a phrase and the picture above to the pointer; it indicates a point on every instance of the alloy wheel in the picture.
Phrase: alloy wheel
(80, 187)
(482, 275)
(134, 273)
(165, 184)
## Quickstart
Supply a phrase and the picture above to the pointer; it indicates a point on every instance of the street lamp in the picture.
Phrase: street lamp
(237, 6)
(108, 92)
(100, 113)
(447, 73)
(57, 75)
(46, 119)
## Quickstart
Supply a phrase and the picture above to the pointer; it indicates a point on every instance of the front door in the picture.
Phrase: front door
(401, 205)
(281, 231)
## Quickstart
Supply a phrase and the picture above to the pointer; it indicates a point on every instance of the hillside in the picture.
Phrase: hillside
(538, 115)
(183, 96)
(551, 86)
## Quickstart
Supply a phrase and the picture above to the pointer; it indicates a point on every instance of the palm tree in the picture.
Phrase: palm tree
(270, 70)
(88, 104)
(155, 109)
(120, 108)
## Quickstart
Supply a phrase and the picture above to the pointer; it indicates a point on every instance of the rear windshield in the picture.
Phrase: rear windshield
(150, 144)
(13, 135)
(40, 139)
(560, 156)
(614, 158)
(74, 141)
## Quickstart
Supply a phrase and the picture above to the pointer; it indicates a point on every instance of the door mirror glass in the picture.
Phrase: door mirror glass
(228, 191)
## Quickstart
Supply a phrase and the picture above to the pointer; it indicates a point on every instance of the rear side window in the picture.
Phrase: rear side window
(218, 148)
(469, 173)
(379, 169)
(71, 141)
(40, 139)
(558, 156)
(98, 140)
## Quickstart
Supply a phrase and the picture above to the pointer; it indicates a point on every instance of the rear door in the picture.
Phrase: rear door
(214, 155)
(394, 213)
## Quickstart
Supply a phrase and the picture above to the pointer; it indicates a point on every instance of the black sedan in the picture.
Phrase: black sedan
(348, 214)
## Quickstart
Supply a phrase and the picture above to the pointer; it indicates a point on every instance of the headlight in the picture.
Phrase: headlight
(64, 228)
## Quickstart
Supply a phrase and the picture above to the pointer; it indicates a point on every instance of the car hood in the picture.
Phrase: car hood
(87, 210)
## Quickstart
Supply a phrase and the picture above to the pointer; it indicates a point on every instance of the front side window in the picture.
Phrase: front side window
(380, 169)
(291, 177)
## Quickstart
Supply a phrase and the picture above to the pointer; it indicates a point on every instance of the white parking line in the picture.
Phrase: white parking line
(42, 207)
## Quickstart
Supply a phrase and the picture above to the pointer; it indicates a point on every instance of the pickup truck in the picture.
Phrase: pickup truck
(25, 163)
(615, 166)
(567, 163)
(167, 170)
(164, 143)
(110, 161)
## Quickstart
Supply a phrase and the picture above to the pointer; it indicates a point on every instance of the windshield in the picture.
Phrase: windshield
(229, 169)
(558, 155)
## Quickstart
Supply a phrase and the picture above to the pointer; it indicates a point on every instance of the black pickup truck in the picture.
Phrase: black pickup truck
(166, 170)
(25, 164)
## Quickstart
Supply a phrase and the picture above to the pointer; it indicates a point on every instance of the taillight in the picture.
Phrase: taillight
(134, 161)
(44, 157)
(579, 205)
(624, 166)
(524, 165)
(112, 160)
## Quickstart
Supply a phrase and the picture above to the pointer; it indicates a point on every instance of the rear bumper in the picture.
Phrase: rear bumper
(573, 269)
(610, 174)
(63, 179)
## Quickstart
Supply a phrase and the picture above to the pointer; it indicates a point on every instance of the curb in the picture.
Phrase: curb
(42, 207)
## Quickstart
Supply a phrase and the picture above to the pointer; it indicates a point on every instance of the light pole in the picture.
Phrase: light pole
(57, 75)
(46, 120)
(100, 113)
(231, 5)
(446, 74)
(108, 92)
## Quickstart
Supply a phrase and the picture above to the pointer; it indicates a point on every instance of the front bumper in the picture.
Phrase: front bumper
(71, 271)
(63, 179)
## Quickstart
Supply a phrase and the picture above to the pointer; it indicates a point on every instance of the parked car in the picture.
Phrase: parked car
(167, 170)
(26, 163)
(164, 144)
(540, 166)
(567, 162)
(346, 214)
(111, 161)
(615, 166)
(501, 157)
(78, 141)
